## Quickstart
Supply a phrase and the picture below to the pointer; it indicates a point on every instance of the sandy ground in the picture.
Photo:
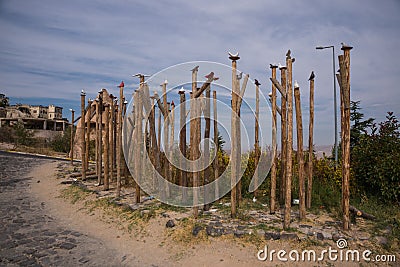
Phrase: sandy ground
(154, 248)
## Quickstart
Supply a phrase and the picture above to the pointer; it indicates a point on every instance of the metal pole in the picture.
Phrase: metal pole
(335, 108)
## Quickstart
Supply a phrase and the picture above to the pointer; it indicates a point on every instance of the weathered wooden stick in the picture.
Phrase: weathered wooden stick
(100, 133)
(242, 91)
(206, 172)
(283, 137)
(215, 162)
(278, 86)
(274, 146)
(345, 92)
(171, 140)
(194, 149)
(106, 146)
(182, 143)
(112, 134)
(119, 139)
(288, 195)
(87, 147)
(96, 157)
(83, 146)
(138, 140)
(361, 213)
(235, 142)
(300, 158)
(72, 137)
(310, 145)
(256, 135)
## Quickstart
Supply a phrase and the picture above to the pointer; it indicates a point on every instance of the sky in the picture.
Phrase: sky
(51, 50)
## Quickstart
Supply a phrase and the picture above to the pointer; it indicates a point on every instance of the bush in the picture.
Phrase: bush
(62, 141)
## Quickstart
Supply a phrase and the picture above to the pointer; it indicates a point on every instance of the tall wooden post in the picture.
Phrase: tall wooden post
(119, 138)
(111, 135)
(207, 170)
(344, 62)
(310, 144)
(235, 135)
(288, 193)
(256, 134)
(182, 142)
(96, 157)
(283, 136)
(89, 110)
(100, 137)
(300, 158)
(138, 139)
(274, 146)
(194, 149)
(215, 162)
(171, 140)
(72, 136)
(106, 146)
(82, 122)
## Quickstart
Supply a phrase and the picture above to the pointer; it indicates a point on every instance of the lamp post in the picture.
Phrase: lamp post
(334, 97)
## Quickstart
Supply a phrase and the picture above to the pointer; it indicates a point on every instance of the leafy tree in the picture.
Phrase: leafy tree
(22, 136)
(375, 155)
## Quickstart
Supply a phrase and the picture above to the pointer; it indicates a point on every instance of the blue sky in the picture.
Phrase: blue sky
(53, 49)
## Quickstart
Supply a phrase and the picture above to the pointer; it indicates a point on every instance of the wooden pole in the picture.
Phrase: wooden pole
(288, 195)
(283, 136)
(171, 140)
(106, 146)
(300, 158)
(345, 96)
(310, 145)
(97, 136)
(274, 146)
(256, 135)
(235, 135)
(82, 122)
(207, 170)
(138, 140)
(72, 136)
(194, 149)
(119, 138)
(89, 110)
(112, 134)
(100, 136)
(215, 162)
(182, 142)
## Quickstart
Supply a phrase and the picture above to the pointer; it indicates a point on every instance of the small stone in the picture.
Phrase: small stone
(213, 231)
(170, 224)
(305, 226)
(320, 236)
(260, 232)
(196, 230)
(272, 235)
(67, 246)
(239, 233)
(289, 236)
(381, 240)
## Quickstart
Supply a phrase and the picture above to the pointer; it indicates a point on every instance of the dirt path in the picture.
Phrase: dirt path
(149, 249)
(43, 229)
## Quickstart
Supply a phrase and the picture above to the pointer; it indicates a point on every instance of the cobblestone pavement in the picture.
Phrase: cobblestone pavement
(29, 236)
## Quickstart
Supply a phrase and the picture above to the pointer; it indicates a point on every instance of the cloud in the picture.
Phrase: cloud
(58, 48)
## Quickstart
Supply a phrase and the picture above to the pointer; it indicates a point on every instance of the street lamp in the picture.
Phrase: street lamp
(334, 98)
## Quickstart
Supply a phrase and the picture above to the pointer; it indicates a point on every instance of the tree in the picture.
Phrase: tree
(375, 155)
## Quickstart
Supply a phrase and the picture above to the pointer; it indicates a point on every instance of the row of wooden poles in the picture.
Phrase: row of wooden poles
(114, 114)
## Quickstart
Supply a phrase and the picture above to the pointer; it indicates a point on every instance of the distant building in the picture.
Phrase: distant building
(54, 112)
(33, 117)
